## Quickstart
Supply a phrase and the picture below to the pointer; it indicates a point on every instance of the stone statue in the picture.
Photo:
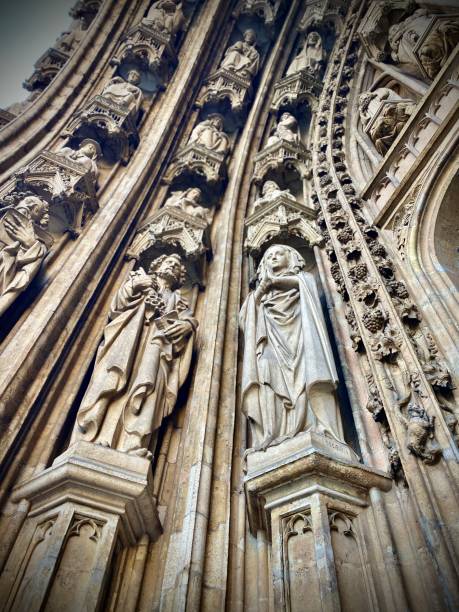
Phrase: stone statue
(86, 155)
(126, 94)
(143, 360)
(287, 129)
(166, 16)
(209, 133)
(270, 191)
(288, 373)
(24, 244)
(189, 201)
(389, 111)
(435, 48)
(242, 58)
(311, 57)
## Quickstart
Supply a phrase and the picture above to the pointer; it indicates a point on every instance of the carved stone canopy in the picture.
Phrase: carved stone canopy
(225, 85)
(172, 230)
(294, 90)
(195, 159)
(280, 218)
(5, 117)
(266, 10)
(46, 68)
(113, 126)
(148, 51)
(68, 187)
(284, 156)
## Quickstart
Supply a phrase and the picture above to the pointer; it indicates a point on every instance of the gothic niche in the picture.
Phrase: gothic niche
(383, 114)
(149, 47)
(142, 362)
(284, 159)
(302, 79)
(180, 225)
(204, 157)
(111, 118)
(234, 78)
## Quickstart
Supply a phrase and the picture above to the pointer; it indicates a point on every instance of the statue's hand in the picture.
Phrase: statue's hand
(178, 330)
(264, 286)
(22, 232)
(141, 283)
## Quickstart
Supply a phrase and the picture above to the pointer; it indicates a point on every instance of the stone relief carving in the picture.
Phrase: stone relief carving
(205, 152)
(142, 362)
(384, 114)
(234, 77)
(287, 389)
(422, 43)
(111, 117)
(310, 58)
(24, 244)
(276, 213)
(165, 16)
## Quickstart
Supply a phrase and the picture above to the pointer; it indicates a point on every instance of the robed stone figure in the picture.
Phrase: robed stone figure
(143, 360)
(242, 58)
(288, 374)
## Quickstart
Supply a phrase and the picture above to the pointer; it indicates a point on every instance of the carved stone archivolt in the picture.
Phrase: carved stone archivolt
(233, 80)
(111, 118)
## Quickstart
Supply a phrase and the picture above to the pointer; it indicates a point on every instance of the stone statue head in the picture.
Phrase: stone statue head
(269, 187)
(286, 117)
(194, 194)
(280, 259)
(250, 37)
(91, 148)
(37, 209)
(170, 268)
(216, 120)
(313, 39)
(133, 77)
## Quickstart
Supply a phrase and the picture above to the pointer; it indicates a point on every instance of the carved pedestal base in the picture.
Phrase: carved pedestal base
(46, 69)
(295, 89)
(282, 156)
(90, 502)
(224, 84)
(197, 160)
(307, 494)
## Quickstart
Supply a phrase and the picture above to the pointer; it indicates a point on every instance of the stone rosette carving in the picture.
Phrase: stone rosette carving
(280, 216)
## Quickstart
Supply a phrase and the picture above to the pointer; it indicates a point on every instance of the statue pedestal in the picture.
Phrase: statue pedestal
(307, 494)
(90, 503)
(294, 90)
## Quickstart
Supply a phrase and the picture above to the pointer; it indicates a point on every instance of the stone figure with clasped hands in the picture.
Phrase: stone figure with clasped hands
(143, 360)
(288, 373)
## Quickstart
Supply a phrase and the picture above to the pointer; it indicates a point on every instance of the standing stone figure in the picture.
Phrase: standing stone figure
(143, 360)
(209, 133)
(166, 16)
(311, 57)
(242, 58)
(126, 94)
(287, 129)
(288, 373)
(86, 155)
(190, 202)
(24, 245)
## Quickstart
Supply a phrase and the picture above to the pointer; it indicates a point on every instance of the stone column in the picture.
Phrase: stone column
(91, 502)
(307, 493)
